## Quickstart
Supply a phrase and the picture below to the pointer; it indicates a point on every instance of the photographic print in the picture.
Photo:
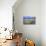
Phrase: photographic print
(29, 20)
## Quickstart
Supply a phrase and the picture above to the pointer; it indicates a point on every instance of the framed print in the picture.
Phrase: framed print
(29, 20)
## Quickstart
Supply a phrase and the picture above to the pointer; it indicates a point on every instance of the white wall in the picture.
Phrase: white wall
(43, 22)
(29, 8)
(36, 30)
(6, 13)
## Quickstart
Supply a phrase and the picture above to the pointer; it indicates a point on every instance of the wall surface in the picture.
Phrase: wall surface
(29, 8)
(43, 22)
(6, 13)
